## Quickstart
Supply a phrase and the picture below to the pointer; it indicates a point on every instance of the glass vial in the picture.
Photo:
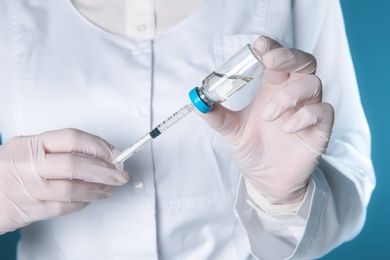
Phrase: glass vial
(223, 82)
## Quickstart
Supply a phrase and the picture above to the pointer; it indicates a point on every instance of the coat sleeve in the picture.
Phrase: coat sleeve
(345, 174)
(344, 180)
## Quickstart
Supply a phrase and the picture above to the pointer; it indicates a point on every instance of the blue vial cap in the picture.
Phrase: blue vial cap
(198, 102)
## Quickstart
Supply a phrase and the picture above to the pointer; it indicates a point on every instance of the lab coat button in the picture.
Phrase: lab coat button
(135, 111)
(139, 185)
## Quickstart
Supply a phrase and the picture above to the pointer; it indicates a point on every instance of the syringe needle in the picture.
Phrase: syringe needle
(167, 123)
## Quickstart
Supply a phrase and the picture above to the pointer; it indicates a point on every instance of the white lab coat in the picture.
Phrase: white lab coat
(58, 70)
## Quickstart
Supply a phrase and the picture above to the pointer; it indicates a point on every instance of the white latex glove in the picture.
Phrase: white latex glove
(53, 174)
(277, 141)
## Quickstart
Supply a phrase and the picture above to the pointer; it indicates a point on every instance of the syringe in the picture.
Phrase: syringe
(219, 85)
(167, 123)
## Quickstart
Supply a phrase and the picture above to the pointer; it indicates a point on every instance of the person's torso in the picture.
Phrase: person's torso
(66, 72)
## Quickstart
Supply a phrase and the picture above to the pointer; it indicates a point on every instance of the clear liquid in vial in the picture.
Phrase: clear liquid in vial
(218, 87)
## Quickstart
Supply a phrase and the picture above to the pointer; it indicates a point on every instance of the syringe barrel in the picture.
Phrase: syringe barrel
(173, 119)
(129, 151)
(167, 123)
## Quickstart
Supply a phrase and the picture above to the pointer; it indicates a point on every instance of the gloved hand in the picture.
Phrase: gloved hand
(277, 141)
(53, 174)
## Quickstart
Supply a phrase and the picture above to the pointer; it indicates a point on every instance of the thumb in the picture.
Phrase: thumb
(263, 45)
(221, 119)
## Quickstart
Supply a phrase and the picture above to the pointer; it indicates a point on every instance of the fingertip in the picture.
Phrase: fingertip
(123, 177)
(263, 44)
(294, 125)
(108, 150)
(275, 58)
(268, 114)
(270, 60)
(127, 176)
(289, 128)
(290, 60)
(260, 45)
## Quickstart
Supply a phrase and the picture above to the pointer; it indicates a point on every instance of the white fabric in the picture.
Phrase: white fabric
(137, 20)
(282, 220)
(58, 70)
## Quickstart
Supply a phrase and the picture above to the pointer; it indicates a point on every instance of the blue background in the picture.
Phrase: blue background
(368, 29)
